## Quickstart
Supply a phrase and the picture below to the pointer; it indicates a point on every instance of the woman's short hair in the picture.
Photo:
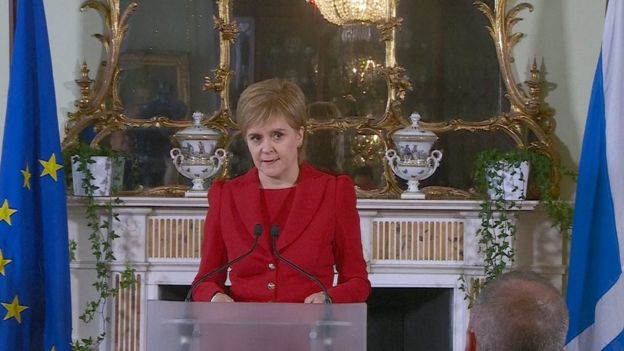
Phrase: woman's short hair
(270, 98)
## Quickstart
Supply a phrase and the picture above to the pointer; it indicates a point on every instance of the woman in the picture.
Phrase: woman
(315, 212)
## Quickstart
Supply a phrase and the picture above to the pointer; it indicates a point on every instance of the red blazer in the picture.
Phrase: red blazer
(322, 231)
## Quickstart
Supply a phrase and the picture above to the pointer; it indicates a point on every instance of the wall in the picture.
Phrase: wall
(564, 36)
(70, 43)
(565, 48)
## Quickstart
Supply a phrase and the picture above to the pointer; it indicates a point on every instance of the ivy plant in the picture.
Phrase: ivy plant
(100, 217)
(498, 215)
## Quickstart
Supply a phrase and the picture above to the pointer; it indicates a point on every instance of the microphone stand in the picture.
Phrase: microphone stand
(203, 278)
(186, 329)
(323, 332)
(274, 236)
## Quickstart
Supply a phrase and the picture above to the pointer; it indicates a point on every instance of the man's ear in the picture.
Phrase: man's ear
(471, 340)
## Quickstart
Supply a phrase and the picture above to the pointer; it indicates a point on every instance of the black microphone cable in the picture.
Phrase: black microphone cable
(257, 233)
(274, 236)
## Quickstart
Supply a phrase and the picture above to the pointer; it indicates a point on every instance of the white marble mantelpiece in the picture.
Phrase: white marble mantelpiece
(406, 243)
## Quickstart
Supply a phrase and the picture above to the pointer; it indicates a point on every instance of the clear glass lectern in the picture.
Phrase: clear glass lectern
(201, 326)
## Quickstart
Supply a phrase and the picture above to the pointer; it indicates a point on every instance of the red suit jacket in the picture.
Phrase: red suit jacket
(322, 231)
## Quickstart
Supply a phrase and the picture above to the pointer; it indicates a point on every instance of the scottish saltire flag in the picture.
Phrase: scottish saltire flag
(596, 284)
(35, 305)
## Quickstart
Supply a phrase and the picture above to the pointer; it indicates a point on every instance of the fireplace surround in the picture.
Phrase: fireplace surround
(416, 251)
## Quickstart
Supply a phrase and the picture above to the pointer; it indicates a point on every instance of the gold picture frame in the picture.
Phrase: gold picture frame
(148, 76)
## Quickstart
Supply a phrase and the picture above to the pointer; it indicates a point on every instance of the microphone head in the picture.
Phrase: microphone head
(275, 230)
(258, 230)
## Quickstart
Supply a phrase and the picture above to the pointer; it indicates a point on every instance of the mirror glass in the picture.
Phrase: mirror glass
(357, 154)
(460, 151)
(168, 49)
(449, 56)
(147, 162)
(443, 45)
(290, 39)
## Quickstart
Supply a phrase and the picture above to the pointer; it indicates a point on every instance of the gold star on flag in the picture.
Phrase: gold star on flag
(6, 212)
(3, 263)
(50, 167)
(14, 309)
(26, 174)
(53, 348)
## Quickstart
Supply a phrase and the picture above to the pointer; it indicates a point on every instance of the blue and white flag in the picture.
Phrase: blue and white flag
(596, 284)
(35, 302)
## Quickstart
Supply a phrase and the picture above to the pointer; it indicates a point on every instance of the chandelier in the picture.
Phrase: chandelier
(344, 12)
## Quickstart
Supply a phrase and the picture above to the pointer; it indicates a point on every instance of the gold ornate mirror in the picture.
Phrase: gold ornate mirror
(450, 61)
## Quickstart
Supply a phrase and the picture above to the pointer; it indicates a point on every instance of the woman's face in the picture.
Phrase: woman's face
(274, 147)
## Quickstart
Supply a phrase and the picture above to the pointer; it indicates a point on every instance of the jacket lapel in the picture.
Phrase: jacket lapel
(248, 202)
(308, 198)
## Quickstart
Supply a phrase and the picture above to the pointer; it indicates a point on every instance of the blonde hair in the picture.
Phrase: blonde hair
(270, 98)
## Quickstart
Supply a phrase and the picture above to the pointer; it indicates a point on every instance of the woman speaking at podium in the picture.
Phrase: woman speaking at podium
(290, 224)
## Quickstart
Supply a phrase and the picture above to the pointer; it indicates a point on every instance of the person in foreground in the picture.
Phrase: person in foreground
(313, 214)
(518, 311)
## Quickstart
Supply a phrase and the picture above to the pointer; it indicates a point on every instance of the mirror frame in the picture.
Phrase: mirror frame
(529, 122)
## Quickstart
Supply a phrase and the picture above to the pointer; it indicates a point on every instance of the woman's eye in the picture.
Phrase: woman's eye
(278, 135)
(254, 138)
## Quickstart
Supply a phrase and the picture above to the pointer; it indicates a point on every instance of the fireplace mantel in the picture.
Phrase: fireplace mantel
(406, 243)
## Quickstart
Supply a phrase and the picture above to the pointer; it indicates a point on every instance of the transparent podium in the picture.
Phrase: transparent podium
(240, 326)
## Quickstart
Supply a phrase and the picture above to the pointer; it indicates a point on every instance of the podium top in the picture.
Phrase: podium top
(239, 326)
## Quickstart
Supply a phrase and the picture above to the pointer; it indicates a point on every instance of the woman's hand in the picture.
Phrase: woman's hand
(318, 297)
(221, 297)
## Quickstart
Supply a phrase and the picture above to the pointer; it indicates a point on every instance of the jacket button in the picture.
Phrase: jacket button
(271, 286)
(271, 266)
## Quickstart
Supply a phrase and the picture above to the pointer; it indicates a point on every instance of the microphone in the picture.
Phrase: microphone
(257, 233)
(274, 236)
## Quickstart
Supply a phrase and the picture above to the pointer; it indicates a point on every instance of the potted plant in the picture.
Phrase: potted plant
(95, 171)
(94, 174)
(502, 179)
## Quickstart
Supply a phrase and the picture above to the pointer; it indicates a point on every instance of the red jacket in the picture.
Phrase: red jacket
(322, 230)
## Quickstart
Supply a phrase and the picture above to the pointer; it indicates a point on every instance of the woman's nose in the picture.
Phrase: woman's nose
(267, 145)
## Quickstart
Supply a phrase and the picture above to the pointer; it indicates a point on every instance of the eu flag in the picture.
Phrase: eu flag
(596, 282)
(35, 309)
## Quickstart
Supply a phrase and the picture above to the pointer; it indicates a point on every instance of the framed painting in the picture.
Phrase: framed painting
(154, 85)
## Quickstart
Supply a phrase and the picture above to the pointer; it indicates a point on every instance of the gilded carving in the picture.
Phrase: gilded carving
(528, 123)
(229, 31)
(388, 28)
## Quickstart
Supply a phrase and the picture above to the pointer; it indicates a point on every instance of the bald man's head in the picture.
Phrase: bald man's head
(518, 311)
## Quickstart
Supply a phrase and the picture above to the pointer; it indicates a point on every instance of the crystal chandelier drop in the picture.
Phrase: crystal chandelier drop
(343, 12)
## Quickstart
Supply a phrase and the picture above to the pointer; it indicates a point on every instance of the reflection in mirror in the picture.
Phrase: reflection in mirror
(359, 155)
(451, 61)
(172, 50)
(154, 85)
(169, 47)
(240, 159)
(364, 158)
(290, 39)
(460, 150)
(147, 160)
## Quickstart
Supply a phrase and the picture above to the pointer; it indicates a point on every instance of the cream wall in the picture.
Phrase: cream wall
(70, 42)
(564, 35)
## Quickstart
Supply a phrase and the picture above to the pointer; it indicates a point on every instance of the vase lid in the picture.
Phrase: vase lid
(415, 132)
(197, 130)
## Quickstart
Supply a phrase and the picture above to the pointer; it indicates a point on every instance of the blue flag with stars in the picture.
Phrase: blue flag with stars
(35, 302)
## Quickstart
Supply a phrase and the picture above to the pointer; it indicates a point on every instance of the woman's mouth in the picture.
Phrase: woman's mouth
(270, 162)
